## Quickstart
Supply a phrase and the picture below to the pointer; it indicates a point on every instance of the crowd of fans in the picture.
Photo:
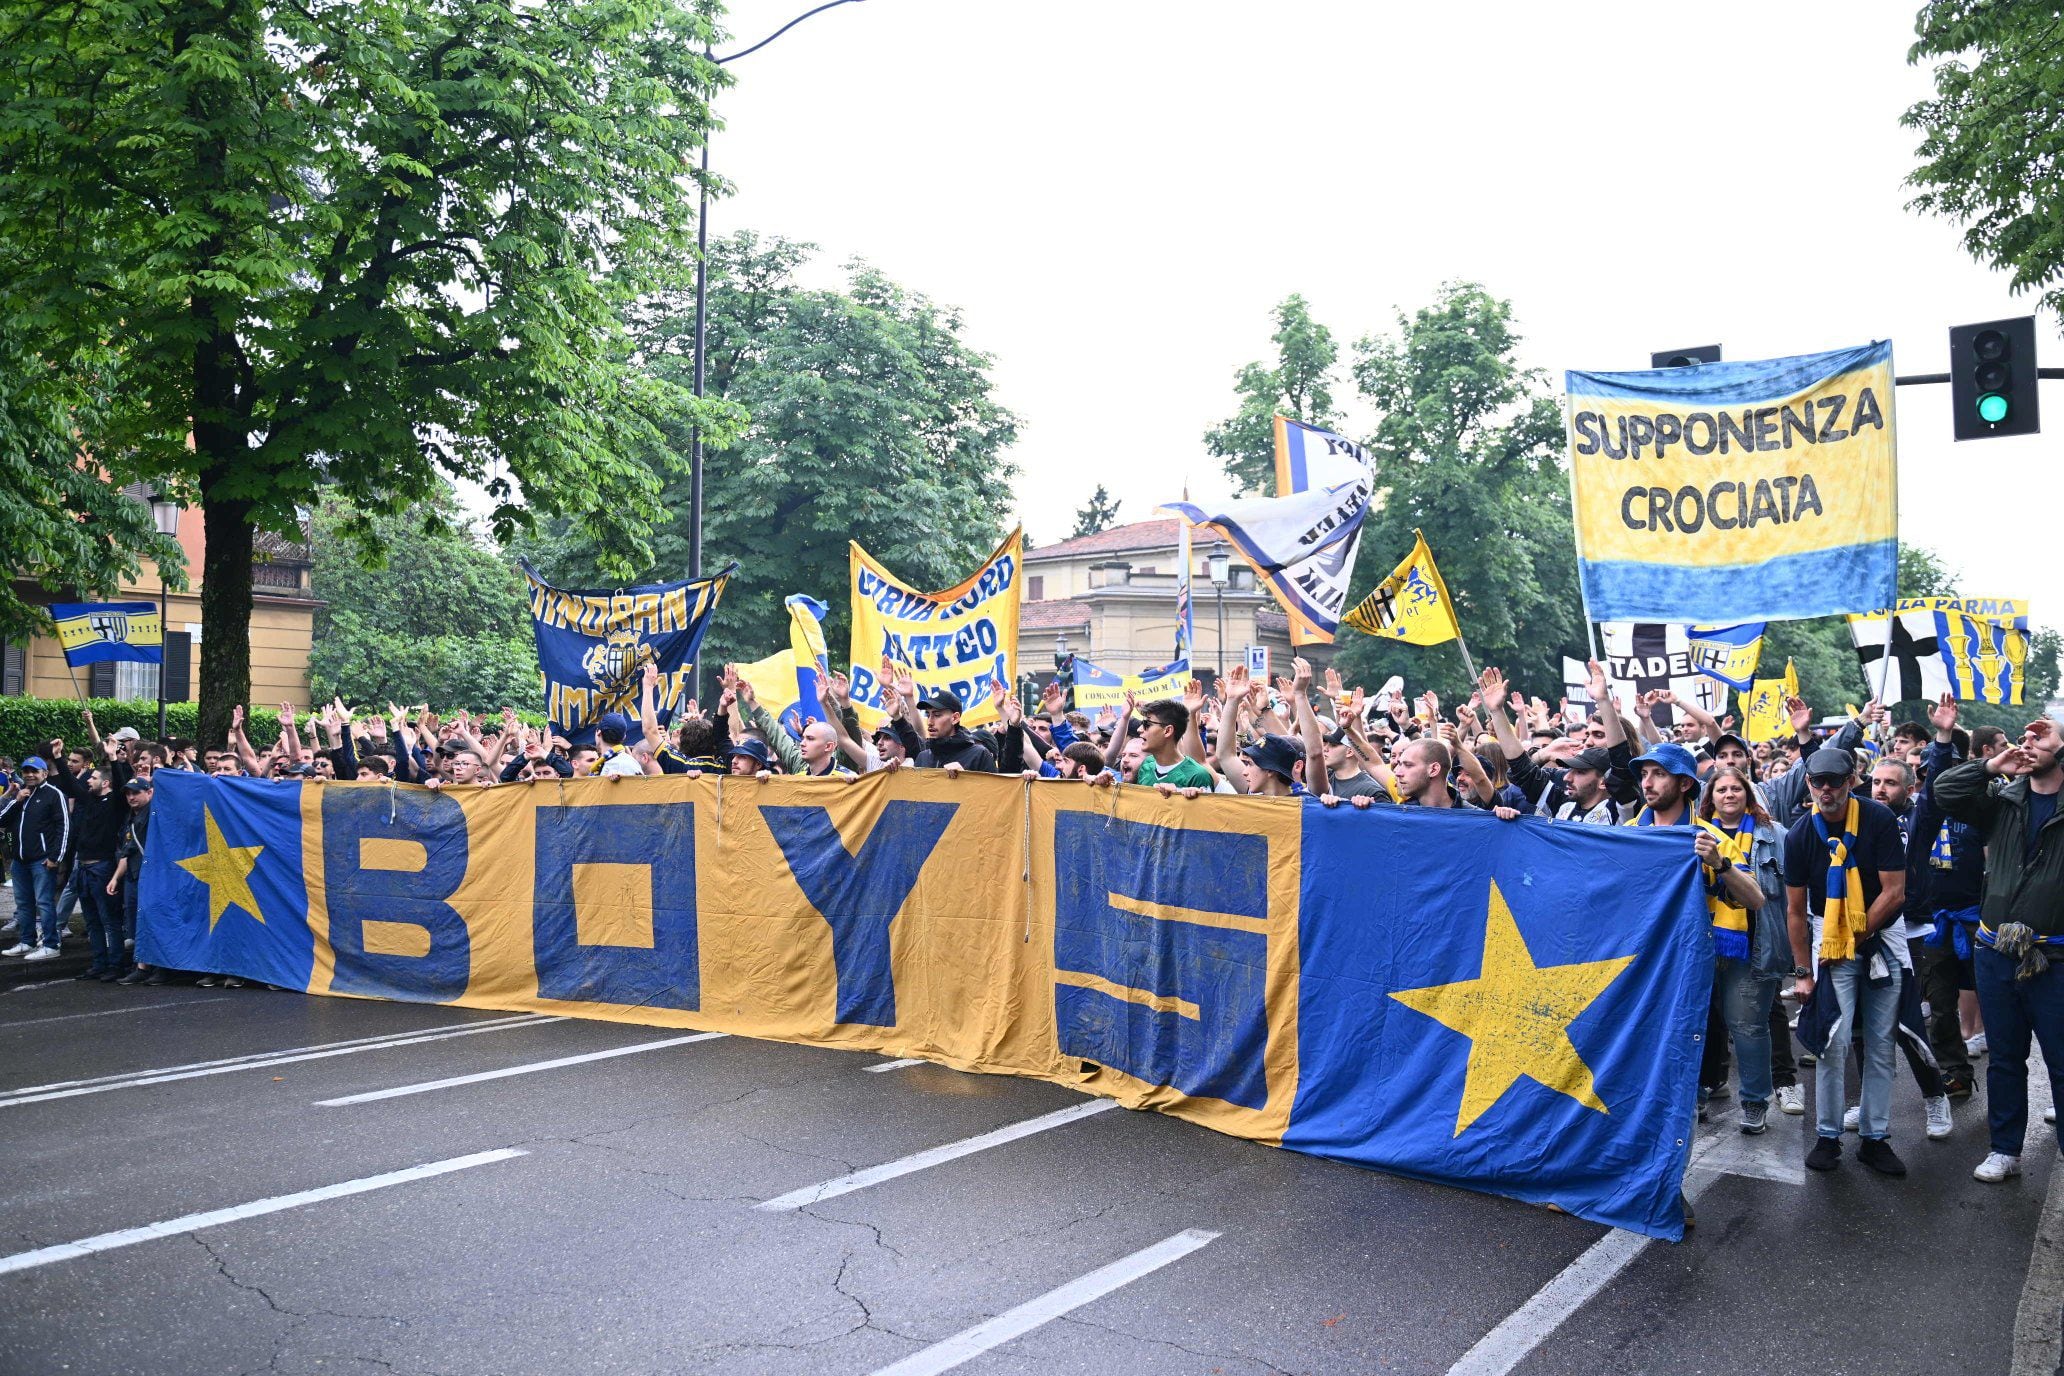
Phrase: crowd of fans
(1905, 881)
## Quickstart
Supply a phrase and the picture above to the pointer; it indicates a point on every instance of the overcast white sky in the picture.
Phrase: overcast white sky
(1117, 192)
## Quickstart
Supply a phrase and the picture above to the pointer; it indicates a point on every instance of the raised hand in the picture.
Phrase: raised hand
(1800, 713)
(906, 683)
(1236, 682)
(236, 717)
(1334, 688)
(1193, 696)
(1596, 681)
(286, 716)
(650, 678)
(1300, 675)
(841, 688)
(1493, 688)
(1131, 703)
(1052, 701)
(744, 691)
(1944, 714)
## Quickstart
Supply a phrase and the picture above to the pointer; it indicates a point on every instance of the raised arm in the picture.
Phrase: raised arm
(1115, 751)
(1315, 778)
(241, 743)
(1602, 703)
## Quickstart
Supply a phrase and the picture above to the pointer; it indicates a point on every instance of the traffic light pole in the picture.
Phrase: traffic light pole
(1923, 379)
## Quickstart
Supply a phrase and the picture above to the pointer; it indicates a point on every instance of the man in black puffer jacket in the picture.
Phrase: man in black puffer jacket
(946, 745)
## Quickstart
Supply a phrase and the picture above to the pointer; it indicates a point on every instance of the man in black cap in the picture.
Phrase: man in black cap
(1845, 870)
(947, 746)
(1268, 767)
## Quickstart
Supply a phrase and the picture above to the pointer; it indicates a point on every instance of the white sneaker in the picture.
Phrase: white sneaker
(1791, 1100)
(1975, 1046)
(20, 948)
(42, 953)
(2050, 1114)
(1996, 1166)
(1940, 1123)
(1853, 1119)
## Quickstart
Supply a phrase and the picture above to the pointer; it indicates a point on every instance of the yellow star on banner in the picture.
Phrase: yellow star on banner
(1516, 1015)
(226, 870)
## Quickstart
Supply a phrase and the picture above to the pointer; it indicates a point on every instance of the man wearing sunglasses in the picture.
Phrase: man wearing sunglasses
(1845, 883)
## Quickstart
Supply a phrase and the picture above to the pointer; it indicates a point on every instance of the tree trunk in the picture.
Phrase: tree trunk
(225, 616)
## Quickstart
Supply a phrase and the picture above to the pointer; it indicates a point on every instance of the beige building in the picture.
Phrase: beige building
(1111, 598)
(282, 631)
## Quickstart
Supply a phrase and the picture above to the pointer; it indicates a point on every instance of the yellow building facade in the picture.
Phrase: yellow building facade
(282, 632)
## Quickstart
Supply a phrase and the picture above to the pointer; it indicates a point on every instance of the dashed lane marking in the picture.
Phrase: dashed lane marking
(531, 1068)
(6, 1027)
(894, 1065)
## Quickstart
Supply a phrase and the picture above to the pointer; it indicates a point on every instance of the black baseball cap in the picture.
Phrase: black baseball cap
(940, 700)
(1594, 759)
(1830, 763)
(1276, 754)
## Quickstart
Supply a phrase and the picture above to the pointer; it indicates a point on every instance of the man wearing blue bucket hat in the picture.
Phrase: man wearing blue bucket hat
(1669, 781)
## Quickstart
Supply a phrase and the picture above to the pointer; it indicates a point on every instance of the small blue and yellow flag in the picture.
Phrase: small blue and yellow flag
(1728, 653)
(91, 632)
(1411, 605)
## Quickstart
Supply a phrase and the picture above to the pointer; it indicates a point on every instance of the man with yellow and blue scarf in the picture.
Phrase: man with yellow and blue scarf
(1845, 883)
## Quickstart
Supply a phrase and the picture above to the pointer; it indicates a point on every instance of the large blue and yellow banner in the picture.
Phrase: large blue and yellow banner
(1506, 1006)
(91, 632)
(963, 639)
(593, 646)
(1737, 491)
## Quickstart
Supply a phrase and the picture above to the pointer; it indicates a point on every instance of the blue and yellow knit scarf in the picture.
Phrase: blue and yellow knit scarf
(1730, 923)
(1844, 916)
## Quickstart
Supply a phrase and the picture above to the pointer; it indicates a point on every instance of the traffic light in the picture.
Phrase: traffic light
(1064, 678)
(1685, 358)
(1992, 378)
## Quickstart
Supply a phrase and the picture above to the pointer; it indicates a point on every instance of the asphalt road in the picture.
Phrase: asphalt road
(612, 1214)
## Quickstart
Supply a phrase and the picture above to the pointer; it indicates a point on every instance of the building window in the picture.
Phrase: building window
(135, 682)
(1035, 587)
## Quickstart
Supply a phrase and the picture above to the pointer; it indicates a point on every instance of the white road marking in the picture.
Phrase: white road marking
(111, 1012)
(1527, 1327)
(530, 1069)
(952, 1151)
(189, 1223)
(894, 1065)
(1013, 1323)
(67, 1089)
(40, 984)
(2039, 1318)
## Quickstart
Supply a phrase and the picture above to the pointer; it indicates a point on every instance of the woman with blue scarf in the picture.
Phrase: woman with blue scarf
(1741, 850)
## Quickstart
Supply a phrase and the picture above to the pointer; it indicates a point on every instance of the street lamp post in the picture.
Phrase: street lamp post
(165, 516)
(1221, 570)
(702, 308)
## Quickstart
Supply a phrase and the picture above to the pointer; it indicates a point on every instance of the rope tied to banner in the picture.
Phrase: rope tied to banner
(1026, 812)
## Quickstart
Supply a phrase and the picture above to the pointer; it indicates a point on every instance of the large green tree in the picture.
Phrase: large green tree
(346, 247)
(871, 420)
(429, 613)
(65, 527)
(1992, 136)
(1299, 384)
(1468, 449)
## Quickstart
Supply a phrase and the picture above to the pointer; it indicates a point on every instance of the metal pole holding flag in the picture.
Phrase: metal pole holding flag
(1885, 662)
(1468, 665)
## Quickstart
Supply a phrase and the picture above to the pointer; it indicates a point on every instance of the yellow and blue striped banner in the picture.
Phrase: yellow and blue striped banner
(1507, 1006)
(1731, 491)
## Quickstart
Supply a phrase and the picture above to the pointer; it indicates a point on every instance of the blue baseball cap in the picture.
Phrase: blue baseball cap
(1670, 757)
(35, 762)
(614, 721)
(1276, 754)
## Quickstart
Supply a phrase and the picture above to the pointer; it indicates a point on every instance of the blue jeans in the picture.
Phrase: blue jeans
(35, 896)
(2016, 1010)
(1745, 999)
(103, 913)
(1875, 1008)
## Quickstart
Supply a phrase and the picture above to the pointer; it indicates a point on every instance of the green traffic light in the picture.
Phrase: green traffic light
(1992, 408)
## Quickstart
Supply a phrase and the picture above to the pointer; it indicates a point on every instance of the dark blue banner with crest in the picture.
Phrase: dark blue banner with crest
(593, 646)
